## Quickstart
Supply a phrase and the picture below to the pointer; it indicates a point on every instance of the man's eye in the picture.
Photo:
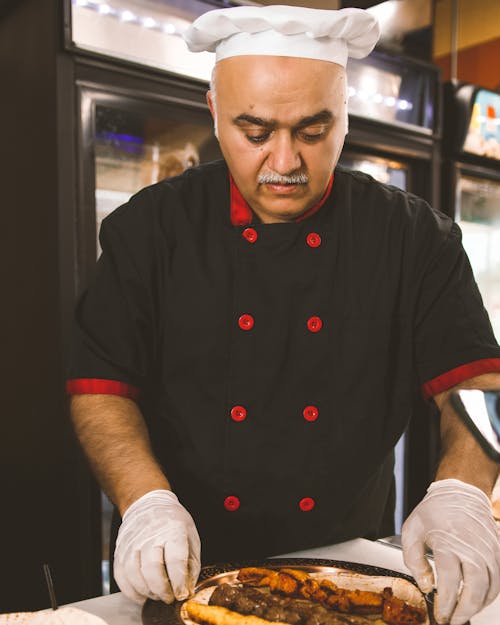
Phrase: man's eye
(311, 137)
(260, 138)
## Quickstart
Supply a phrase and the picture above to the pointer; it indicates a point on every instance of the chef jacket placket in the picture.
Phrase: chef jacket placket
(280, 362)
(240, 405)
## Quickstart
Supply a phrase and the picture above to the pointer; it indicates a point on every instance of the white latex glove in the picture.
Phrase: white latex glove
(455, 520)
(157, 552)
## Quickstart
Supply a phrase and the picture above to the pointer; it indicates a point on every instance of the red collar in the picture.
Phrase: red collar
(241, 213)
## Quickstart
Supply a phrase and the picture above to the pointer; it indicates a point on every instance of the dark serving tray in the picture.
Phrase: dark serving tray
(159, 613)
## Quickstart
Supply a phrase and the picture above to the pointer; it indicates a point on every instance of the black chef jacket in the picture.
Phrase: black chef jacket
(276, 364)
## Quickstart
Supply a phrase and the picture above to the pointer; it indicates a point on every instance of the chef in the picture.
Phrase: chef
(247, 355)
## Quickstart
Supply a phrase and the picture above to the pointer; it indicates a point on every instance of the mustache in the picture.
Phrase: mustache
(290, 179)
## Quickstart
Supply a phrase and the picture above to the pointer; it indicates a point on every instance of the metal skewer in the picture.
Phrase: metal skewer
(50, 586)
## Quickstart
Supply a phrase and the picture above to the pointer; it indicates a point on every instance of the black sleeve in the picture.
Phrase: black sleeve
(454, 340)
(114, 329)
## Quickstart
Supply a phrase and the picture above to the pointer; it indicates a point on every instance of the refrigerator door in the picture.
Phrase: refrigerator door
(478, 215)
(136, 147)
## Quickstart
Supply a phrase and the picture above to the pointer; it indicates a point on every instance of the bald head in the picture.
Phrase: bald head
(279, 116)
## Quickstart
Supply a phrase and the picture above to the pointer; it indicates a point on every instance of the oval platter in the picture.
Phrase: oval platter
(159, 613)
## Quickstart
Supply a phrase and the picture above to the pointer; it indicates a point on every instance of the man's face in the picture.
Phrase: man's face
(281, 126)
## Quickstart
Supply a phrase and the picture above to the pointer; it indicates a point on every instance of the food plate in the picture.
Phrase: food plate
(404, 586)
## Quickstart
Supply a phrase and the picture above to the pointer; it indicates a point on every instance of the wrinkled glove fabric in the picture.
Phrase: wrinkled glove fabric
(157, 551)
(455, 520)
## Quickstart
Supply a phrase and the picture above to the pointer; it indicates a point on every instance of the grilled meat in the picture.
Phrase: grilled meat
(295, 583)
(250, 601)
(398, 611)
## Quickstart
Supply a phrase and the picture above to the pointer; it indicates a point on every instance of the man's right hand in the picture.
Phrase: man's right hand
(157, 552)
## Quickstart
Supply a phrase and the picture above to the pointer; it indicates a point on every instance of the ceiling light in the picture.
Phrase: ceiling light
(127, 16)
(148, 22)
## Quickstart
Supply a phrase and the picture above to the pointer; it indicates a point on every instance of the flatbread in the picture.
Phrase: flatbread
(215, 615)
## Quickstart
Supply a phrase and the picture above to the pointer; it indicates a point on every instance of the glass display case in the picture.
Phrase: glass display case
(478, 214)
(147, 32)
(385, 89)
(471, 183)
(483, 133)
(134, 149)
(129, 143)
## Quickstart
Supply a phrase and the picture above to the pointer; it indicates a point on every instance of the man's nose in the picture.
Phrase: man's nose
(284, 157)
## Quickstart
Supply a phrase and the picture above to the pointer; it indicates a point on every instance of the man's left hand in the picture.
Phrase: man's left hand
(454, 520)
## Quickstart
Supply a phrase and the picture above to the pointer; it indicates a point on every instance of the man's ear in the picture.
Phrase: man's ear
(211, 106)
(211, 103)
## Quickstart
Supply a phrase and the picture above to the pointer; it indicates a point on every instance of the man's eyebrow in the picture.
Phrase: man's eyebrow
(322, 117)
(245, 118)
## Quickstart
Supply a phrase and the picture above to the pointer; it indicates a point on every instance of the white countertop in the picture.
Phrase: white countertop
(116, 609)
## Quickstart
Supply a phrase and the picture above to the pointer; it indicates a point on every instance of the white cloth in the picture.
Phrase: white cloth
(455, 520)
(157, 551)
(327, 35)
(66, 615)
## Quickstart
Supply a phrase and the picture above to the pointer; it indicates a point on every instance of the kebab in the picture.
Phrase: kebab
(292, 596)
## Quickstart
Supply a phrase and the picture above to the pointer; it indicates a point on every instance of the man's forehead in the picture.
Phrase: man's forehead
(258, 80)
(275, 96)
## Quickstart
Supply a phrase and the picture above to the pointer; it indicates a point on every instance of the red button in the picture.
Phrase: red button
(246, 322)
(307, 504)
(310, 413)
(314, 324)
(238, 413)
(250, 234)
(313, 239)
(232, 503)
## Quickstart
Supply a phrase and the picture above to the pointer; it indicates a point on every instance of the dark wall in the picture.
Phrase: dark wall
(40, 510)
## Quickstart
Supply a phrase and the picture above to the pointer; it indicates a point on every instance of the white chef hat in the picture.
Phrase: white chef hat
(327, 35)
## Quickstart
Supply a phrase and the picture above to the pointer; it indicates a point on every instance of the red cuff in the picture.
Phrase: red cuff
(88, 386)
(451, 378)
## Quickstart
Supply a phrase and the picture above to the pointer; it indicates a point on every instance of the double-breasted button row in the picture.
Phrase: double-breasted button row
(232, 503)
(239, 413)
(246, 322)
(313, 239)
(310, 413)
